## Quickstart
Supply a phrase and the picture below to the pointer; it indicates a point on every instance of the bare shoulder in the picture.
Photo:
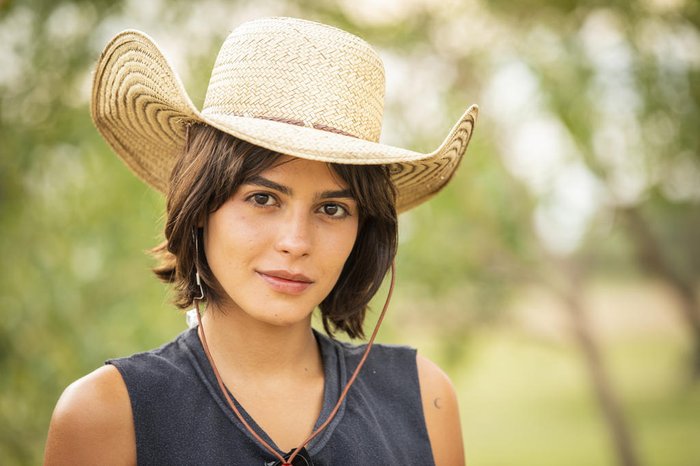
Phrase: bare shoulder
(92, 422)
(441, 413)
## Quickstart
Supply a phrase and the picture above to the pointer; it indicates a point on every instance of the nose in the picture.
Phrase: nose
(295, 234)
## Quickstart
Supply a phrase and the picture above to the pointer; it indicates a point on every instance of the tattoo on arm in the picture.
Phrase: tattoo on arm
(437, 402)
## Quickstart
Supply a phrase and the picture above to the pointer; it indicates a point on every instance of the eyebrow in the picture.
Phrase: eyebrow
(264, 182)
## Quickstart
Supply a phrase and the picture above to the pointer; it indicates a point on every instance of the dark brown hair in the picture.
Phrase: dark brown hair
(212, 167)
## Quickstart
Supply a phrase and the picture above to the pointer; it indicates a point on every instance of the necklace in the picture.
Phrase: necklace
(299, 452)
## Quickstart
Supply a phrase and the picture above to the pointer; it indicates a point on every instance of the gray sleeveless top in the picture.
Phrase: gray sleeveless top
(181, 417)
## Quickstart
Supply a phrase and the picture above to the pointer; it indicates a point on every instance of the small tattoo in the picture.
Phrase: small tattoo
(437, 403)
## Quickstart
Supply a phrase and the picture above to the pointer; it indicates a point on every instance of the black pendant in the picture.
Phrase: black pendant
(302, 459)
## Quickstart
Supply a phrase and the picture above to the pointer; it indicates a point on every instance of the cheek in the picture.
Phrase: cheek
(344, 244)
(235, 232)
(226, 239)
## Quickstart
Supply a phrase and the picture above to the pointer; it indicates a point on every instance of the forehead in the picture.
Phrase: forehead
(302, 171)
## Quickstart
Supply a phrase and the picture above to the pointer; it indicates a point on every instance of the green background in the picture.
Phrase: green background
(555, 280)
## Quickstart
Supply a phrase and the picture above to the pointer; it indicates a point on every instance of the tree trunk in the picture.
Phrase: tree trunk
(650, 255)
(568, 288)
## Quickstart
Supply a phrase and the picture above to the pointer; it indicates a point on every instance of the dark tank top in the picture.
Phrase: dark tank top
(181, 417)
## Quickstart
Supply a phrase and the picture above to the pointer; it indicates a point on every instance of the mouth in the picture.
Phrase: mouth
(285, 282)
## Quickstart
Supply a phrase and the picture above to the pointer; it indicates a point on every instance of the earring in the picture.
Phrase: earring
(199, 284)
(193, 316)
(198, 279)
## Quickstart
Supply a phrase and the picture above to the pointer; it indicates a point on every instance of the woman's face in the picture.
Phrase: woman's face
(278, 245)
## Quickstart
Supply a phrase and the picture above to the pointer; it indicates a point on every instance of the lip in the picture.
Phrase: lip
(285, 282)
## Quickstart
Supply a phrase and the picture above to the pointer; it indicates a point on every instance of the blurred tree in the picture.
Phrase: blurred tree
(68, 291)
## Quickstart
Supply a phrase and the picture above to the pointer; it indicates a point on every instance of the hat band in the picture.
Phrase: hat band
(318, 126)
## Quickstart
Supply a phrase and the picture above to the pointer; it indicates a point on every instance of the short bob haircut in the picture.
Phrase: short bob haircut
(212, 167)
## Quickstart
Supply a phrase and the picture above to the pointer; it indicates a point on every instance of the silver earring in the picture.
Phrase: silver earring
(199, 284)
(196, 274)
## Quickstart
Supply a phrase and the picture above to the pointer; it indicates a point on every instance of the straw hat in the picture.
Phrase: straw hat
(292, 86)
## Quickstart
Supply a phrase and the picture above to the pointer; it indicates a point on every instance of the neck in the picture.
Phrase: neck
(244, 348)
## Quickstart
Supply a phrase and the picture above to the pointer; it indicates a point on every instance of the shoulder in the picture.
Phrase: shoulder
(148, 372)
(382, 354)
(441, 413)
(92, 422)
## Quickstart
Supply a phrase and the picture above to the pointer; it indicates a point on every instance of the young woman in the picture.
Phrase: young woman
(280, 200)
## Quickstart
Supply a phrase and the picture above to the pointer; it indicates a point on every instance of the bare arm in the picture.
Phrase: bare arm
(441, 414)
(92, 423)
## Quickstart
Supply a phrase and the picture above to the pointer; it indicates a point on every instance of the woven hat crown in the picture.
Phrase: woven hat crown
(299, 72)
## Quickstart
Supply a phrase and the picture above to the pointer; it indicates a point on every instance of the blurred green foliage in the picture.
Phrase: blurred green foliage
(617, 82)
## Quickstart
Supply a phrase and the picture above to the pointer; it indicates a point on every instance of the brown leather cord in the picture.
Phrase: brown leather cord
(288, 462)
(223, 387)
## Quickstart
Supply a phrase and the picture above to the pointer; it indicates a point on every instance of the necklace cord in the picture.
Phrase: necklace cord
(222, 387)
(357, 369)
(288, 462)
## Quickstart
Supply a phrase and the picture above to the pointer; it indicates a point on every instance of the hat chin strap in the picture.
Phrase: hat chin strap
(282, 460)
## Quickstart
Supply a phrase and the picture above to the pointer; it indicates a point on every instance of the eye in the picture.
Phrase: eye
(261, 199)
(334, 210)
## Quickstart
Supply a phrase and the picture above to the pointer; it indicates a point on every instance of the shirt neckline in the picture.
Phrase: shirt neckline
(335, 377)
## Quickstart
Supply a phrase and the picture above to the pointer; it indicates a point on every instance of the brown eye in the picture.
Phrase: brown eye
(334, 210)
(261, 198)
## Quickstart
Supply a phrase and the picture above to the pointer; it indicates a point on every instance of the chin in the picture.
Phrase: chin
(282, 316)
(282, 321)
(278, 311)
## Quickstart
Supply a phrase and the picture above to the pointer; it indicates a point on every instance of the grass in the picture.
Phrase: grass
(527, 401)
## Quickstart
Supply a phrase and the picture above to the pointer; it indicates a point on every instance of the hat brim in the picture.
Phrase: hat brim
(141, 108)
